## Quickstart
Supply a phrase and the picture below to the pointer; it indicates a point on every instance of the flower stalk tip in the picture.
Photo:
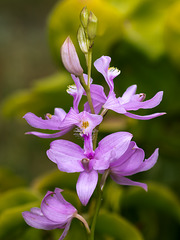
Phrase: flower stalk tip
(92, 26)
(84, 17)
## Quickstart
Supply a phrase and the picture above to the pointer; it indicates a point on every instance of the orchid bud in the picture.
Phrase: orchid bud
(84, 17)
(82, 40)
(70, 58)
(92, 26)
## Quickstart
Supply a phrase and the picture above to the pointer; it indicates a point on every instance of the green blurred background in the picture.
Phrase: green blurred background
(143, 39)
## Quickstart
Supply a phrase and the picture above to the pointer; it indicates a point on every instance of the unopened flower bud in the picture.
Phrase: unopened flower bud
(70, 58)
(84, 17)
(82, 40)
(92, 26)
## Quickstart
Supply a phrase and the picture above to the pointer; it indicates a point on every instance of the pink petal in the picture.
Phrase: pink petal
(153, 102)
(67, 155)
(125, 181)
(97, 93)
(135, 104)
(129, 164)
(77, 93)
(56, 210)
(102, 65)
(72, 118)
(66, 229)
(113, 145)
(112, 73)
(130, 91)
(114, 104)
(50, 135)
(85, 186)
(150, 162)
(146, 117)
(98, 98)
(60, 113)
(52, 124)
(38, 221)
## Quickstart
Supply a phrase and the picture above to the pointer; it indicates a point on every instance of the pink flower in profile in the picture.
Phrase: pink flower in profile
(131, 162)
(130, 101)
(70, 58)
(55, 212)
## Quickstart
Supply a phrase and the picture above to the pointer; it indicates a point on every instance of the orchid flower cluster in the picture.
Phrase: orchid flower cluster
(116, 155)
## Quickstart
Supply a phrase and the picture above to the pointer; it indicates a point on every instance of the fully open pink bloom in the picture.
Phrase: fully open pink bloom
(70, 158)
(63, 122)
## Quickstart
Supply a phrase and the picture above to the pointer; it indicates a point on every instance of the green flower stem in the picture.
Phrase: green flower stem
(95, 136)
(87, 90)
(90, 100)
(101, 185)
(98, 204)
(76, 215)
(103, 179)
(103, 112)
(81, 78)
(89, 66)
(100, 188)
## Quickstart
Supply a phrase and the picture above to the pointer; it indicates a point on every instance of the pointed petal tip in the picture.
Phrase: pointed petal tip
(26, 115)
(30, 133)
(65, 230)
(24, 213)
(84, 203)
(86, 185)
(58, 190)
(145, 117)
(157, 150)
(145, 187)
(142, 185)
